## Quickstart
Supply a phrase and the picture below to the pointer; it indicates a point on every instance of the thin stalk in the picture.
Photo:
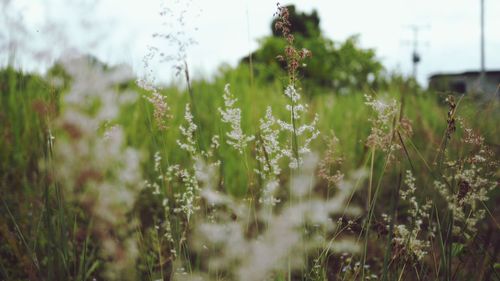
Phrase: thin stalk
(449, 243)
(33, 264)
(446, 136)
(194, 111)
(394, 206)
(374, 200)
(295, 141)
(370, 215)
(441, 242)
(402, 271)
(372, 163)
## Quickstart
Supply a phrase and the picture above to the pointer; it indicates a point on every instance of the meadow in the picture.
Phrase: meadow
(104, 176)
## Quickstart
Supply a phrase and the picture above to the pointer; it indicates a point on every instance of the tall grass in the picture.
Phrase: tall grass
(97, 185)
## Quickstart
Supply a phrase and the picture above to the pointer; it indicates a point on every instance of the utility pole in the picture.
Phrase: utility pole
(415, 58)
(483, 70)
(415, 43)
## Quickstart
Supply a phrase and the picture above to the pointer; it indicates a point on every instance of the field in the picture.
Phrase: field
(104, 176)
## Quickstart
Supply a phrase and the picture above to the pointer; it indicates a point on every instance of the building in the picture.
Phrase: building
(467, 83)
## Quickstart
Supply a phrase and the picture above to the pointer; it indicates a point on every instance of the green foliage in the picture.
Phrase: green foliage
(29, 103)
(341, 67)
(45, 238)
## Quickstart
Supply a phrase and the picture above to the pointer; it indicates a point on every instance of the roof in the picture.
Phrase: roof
(466, 73)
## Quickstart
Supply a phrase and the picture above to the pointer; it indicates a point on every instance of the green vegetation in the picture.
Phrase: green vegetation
(338, 67)
(75, 206)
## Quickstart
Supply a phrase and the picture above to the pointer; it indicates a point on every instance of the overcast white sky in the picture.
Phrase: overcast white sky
(228, 29)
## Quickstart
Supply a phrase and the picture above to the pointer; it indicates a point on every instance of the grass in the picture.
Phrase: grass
(81, 213)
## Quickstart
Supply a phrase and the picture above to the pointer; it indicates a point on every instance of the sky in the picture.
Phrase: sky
(120, 31)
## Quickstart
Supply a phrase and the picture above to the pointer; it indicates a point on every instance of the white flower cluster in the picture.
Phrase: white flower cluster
(465, 184)
(330, 160)
(292, 93)
(268, 193)
(232, 116)
(473, 188)
(351, 269)
(188, 133)
(405, 236)
(230, 249)
(188, 197)
(381, 136)
(268, 156)
(271, 149)
(157, 162)
(97, 171)
(161, 109)
(308, 132)
(164, 225)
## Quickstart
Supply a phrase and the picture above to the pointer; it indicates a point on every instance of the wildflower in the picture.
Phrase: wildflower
(268, 140)
(161, 109)
(294, 151)
(187, 200)
(474, 178)
(268, 195)
(232, 116)
(157, 161)
(381, 135)
(97, 171)
(330, 159)
(188, 132)
(407, 236)
(256, 256)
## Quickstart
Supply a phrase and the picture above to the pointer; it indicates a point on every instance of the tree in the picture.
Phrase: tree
(341, 67)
